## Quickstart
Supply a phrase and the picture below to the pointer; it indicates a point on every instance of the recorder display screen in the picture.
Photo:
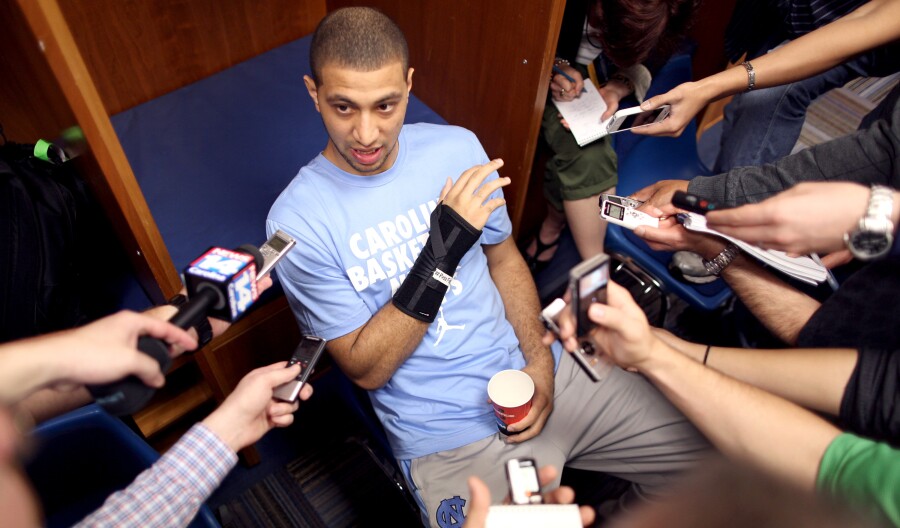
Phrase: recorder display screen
(615, 211)
(277, 243)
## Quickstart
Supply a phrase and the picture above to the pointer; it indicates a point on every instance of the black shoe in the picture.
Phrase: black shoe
(536, 266)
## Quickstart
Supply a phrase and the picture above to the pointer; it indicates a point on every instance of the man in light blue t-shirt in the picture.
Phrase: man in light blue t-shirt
(406, 265)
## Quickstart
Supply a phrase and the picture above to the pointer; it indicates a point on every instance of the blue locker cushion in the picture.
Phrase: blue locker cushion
(212, 156)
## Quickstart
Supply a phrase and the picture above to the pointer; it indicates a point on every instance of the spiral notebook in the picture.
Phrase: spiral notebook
(801, 268)
(583, 115)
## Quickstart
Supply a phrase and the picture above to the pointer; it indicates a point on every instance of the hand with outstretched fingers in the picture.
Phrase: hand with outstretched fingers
(469, 196)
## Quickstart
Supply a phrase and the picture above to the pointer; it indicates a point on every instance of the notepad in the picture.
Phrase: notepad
(801, 268)
(534, 515)
(583, 115)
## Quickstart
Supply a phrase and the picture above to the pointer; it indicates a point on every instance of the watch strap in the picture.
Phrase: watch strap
(876, 221)
(881, 204)
(721, 261)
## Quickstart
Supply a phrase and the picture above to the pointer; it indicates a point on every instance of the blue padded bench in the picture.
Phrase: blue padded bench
(644, 160)
(211, 157)
(84, 456)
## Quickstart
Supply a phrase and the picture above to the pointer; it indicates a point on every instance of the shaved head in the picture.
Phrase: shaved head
(358, 38)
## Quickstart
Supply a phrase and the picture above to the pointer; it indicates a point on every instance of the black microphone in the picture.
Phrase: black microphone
(221, 283)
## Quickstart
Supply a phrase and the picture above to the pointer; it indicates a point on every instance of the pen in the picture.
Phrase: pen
(829, 277)
(558, 70)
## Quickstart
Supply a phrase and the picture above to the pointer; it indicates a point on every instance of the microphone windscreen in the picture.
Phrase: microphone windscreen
(230, 273)
(250, 249)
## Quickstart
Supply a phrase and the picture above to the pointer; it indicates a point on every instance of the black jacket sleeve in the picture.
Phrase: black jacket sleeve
(871, 402)
(867, 156)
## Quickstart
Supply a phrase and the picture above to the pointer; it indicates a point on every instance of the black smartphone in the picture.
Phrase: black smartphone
(693, 203)
(587, 283)
(524, 486)
(307, 354)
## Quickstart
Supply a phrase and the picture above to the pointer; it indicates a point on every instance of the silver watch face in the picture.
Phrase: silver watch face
(868, 244)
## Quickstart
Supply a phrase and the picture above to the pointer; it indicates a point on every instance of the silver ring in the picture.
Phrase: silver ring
(562, 91)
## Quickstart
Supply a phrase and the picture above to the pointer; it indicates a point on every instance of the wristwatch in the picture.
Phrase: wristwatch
(874, 236)
(721, 261)
(203, 328)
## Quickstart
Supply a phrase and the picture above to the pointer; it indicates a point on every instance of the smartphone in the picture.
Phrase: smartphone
(524, 486)
(587, 285)
(623, 211)
(635, 117)
(693, 203)
(550, 313)
(273, 250)
(307, 354)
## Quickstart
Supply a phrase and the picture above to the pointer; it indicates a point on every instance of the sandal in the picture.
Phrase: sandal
(536, 266)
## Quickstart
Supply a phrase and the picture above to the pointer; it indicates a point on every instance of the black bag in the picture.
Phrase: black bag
(41, 209)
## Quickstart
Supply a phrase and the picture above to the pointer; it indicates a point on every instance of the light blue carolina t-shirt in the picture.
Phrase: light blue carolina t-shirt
(357, 237)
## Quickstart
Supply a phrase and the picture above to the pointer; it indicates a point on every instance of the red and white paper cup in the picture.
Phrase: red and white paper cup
(510, 392)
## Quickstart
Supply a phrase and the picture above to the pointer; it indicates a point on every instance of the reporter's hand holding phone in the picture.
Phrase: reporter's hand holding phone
(306, 355)
(634, 118)
(657, 197)
(622, 333)
(549, 316)
(686, 101)
(480, 501)
(250, 411)
(671, 236)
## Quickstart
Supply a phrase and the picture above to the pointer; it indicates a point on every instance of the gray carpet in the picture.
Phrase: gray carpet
(343, 484)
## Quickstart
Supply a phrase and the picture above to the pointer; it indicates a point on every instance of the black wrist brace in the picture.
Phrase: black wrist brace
(423, 290)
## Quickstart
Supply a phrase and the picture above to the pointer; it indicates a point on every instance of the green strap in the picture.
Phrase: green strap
(73, 134)
(41, 148)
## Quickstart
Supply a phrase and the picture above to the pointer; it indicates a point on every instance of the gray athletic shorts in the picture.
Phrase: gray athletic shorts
(620, 425)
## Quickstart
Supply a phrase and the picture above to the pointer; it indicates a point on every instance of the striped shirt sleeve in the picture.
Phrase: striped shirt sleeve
(170, 492)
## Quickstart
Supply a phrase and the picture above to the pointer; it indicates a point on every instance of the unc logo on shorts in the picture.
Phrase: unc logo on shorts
(450, 512)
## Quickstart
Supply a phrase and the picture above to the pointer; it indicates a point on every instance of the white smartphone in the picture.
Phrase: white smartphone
(307, 354)
(524, 487)
(587, 285)
(635, 117)
(623, 211)
(549, 314)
